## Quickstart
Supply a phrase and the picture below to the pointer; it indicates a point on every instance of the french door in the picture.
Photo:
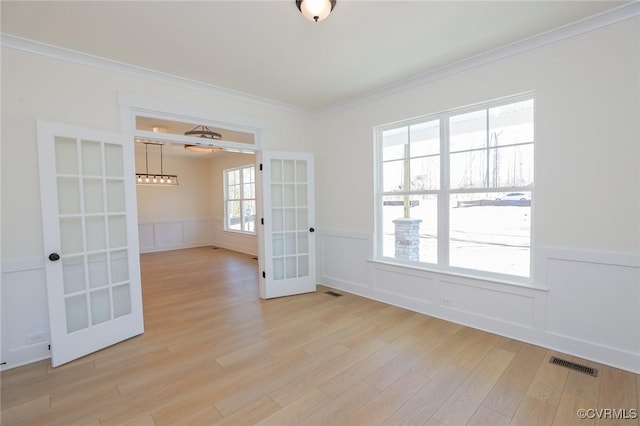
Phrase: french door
(89, 222)
(289, 264)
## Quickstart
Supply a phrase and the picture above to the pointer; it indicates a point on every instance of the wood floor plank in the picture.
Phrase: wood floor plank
(298, 411)
(548, 383)
(464, 402)
(389, 400)
(487, 417)
(424, 403)
(214, 352)
(507, 394)
(534, 411)
(343, 406)
(617, 392)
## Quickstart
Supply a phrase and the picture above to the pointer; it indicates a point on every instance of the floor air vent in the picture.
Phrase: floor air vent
(573, 366)
(332, 293)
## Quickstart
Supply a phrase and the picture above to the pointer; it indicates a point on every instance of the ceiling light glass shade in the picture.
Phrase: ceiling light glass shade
(315, 10)
(206, 149)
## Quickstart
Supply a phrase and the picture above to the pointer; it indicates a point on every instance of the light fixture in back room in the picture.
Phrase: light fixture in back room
(205, 133)
(157, 179)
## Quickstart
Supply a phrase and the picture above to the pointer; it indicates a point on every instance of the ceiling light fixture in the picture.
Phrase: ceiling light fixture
(203, 132)
(154, 178)
(315, 10)
(200, 148)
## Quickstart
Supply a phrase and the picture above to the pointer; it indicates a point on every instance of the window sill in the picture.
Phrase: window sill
(235, 231)
(525, 283)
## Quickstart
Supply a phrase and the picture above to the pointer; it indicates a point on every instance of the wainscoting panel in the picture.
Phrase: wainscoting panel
(25, 314)
(595, 303)
(500, 306)
(174, 234)
(410, 285)
(583, 303)
(343, 259)
(236, 241)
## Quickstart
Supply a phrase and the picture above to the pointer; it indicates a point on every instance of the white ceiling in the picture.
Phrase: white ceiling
(268, 49)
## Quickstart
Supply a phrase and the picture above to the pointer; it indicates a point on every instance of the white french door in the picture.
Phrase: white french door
(289, 244)
(89, 218)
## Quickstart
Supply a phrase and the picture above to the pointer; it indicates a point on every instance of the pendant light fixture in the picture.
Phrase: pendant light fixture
(157, 179)
(205, 133)
(315, 10)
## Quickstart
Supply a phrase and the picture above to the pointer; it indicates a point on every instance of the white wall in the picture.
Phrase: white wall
(39, 86)
(175, 217)
(585, 299)
(237, 241)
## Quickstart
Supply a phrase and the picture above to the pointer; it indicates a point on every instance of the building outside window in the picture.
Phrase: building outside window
(455, 189)
(240, 199)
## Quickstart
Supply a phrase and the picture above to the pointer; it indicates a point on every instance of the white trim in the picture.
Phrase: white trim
(48, 50)
(445, 190)
(626, 11)
(484, 277)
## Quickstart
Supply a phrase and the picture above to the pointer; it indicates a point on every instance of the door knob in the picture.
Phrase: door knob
(54, 257)
(312, 230)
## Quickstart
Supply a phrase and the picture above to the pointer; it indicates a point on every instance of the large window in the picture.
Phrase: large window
(240, 199)
(455, 189)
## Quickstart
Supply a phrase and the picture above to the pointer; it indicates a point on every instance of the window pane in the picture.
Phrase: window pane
(425, 138)
(490, 235)
(234, 192)
(240, 197)
(249, 210)
(512, 166)
(511, 124)
(247, 175)
(393, 143)
(233, 215)
(91, 158)
(468, 169)
(393, 176)
(413, 238)
(468, 131)
(425, 173)
(247, 191)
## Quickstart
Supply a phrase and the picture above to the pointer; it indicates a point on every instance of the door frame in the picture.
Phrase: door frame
(132, 105)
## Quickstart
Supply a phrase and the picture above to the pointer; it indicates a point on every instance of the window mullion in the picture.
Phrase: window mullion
(443, 194)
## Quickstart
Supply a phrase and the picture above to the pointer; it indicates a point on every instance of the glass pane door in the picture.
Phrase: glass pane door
(89, 220)
(289, 237)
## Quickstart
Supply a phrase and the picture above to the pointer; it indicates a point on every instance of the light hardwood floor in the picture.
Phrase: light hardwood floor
(213, 352)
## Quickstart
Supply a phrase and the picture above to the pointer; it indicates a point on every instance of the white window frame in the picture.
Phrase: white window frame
(241, 200)
(444, 193)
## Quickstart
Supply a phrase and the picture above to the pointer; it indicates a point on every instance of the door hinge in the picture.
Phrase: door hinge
(49, 347)
(260, 166)
(264, 275)
(262, 221)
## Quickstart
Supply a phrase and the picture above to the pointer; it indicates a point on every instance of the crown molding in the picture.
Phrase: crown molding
(39, 48)
(621, 13)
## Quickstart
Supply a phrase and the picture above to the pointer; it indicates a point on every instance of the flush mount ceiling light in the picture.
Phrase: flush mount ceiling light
(200, 148)
(315, 10)
(156, 179)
